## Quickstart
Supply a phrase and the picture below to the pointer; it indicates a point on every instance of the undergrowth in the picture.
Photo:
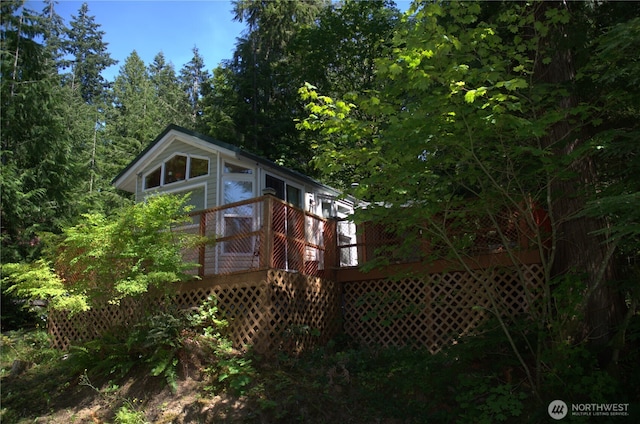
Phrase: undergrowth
(473, 380)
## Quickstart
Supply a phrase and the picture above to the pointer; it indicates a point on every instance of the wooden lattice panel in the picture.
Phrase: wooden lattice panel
(266, 310)
(84, 326)
(305, 310)
(278, 310)
(434, 311)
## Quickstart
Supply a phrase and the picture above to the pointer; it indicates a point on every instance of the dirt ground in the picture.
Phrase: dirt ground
(83, 401)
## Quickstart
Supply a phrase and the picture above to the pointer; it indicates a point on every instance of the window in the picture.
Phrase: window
(199, 167)
(235, 191)
(178, 168)
(284, 191)
(237, 185)
(175, 169)
(275, 183)
(230, 168)
(153, 179)
(294, 196)
(327, 209)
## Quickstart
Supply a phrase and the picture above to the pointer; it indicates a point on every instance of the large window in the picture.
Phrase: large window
(178, 168)
(237, 185)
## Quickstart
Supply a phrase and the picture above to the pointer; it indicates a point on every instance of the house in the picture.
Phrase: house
(218, 174)
(281, 266)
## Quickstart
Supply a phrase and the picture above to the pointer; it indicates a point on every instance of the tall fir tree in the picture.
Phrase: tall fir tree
(219, 108)
(89, 56)
(134, 119)
(40, 170)
(171, 99)
(337, 54)
(254, 99)
(54, 34)
(194, 79)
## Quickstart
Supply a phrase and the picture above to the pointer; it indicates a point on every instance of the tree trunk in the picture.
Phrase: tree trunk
(578, 250)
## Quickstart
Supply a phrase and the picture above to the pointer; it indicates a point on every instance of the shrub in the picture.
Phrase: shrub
(106, 258)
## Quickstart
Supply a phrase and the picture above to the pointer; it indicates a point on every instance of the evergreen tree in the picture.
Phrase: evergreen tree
(135, 118)
(338, 53)
(220, 107)
(40, 171)
(264, 79)
(172, 101)
(194, 78)
(254, 100)
(54, 34)
(89, 56)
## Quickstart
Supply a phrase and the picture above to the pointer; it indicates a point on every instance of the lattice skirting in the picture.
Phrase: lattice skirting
(269, 310)
(434, 311)
(278, 310)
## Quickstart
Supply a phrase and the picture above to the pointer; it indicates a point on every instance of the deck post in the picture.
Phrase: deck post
(330, 237)
(201, 249)
(298, 221)
(266, 250)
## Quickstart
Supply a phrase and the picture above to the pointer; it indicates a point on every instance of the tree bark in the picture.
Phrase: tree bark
(578, 250)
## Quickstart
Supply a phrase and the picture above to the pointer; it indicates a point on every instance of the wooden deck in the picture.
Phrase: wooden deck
(267, 233)
(282, 276)
(478, 262)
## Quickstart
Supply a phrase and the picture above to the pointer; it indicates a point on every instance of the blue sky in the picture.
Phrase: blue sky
(171, 26)
(150, 26)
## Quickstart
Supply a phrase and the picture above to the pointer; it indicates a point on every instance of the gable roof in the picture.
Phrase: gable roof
(123, 179)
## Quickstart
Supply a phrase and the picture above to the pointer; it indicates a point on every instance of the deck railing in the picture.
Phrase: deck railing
(262, 233)
(268, 233)
(470, 235)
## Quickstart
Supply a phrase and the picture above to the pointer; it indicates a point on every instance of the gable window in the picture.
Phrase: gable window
(153, 179)
(199, 167)
(177, 168)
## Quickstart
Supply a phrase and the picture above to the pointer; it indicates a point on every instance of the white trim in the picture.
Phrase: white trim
(219, 184)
